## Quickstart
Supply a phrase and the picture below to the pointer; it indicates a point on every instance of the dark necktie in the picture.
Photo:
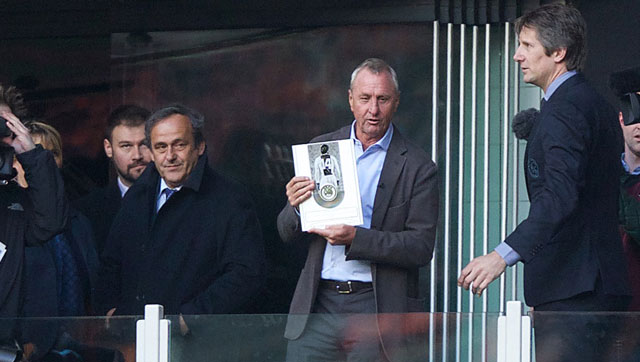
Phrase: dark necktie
(543, 102)
(168, 192)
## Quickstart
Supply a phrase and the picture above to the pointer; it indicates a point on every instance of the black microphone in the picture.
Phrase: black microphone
(523, 122)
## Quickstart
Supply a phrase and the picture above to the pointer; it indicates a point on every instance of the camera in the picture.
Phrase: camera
(4, 130)
(7, 172)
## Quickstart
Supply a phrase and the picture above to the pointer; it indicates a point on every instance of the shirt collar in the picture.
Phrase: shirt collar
(558, 82)
(382, 143)
(163, 186)
(626, 166)
(123, 188)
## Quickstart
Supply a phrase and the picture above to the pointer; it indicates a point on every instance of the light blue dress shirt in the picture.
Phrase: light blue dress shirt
(162, 197)
(635, 172)
(369, 164)
(507, 253)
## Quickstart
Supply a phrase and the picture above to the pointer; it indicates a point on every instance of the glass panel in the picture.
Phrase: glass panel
(585, 336)
(233, 338)
(262, 90)
(71, 339)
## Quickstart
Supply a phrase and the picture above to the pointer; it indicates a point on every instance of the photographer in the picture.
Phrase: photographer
(27, 216)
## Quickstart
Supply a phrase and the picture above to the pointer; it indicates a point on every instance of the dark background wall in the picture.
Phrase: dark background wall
(73, 61)
(613, 39)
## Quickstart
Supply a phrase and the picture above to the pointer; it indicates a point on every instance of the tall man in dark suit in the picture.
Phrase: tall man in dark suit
(569, 243)
(185, 237)
(371, 268)
(124, 144)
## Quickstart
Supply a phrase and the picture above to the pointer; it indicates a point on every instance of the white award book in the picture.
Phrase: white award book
(336, 198)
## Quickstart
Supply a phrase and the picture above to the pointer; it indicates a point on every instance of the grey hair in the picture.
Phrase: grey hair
(558, 26)
(375, 66)
(195, 117)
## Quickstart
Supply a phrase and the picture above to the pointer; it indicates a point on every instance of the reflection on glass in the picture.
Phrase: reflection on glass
(586, 336)
(262, 90)
(73, 339)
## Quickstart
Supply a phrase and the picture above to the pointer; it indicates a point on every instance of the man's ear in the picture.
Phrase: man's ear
(351, 100)
(621, 118)
(559, 55)
(108, 150)
(201, 147)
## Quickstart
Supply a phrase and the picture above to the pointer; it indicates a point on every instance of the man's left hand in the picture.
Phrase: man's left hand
(337, 234)
(184, 329)
(481, 271)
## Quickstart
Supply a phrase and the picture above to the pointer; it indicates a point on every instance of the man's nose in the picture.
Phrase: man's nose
(517, 56)
(171, 155)
(136, 155)
(373, 107)
(5, 141)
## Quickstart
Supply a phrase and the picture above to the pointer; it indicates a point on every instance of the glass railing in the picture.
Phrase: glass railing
(260, 337)
(85, 339)
(585, 336)
(406, 337)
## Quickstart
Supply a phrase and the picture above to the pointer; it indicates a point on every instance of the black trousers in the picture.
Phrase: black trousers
(342, 328)
(578, 328)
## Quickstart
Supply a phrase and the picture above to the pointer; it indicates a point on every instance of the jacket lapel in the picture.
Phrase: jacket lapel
(393, 165)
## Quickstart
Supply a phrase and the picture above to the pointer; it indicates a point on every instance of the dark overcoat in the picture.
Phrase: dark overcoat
(100, 207)
(201, 253)
(27, 217)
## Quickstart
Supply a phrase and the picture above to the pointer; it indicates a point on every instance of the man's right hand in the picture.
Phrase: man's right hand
(299, 189)
(22, 142)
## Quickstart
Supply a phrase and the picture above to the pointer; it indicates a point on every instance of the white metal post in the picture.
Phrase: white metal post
(514, 335)
(152, 335)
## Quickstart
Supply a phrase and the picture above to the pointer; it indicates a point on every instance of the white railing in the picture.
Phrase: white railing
(514, 335)
(152, 335)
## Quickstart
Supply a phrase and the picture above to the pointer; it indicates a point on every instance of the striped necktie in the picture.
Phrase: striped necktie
(167, 194)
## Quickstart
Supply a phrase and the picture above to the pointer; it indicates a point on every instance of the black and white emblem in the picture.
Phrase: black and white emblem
(532, 166)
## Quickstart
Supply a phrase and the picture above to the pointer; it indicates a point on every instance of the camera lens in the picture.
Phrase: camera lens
(4, 130)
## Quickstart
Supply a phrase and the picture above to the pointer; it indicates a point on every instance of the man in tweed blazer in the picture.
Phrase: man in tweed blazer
(371, 268)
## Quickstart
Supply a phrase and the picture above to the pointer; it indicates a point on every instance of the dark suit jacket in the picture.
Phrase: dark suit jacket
(201, 253)
(572, 168)
(101, 207)
(401, 238)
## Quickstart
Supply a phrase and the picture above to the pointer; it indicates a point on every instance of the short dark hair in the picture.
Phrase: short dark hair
(128, 115)
(558, 26)
(12, 97)
(195, 117)
(625, 85)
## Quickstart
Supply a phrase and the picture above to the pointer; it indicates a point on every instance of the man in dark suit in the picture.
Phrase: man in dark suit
(569, 243)
(124, 144)
(185, 237)
(371, 268)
